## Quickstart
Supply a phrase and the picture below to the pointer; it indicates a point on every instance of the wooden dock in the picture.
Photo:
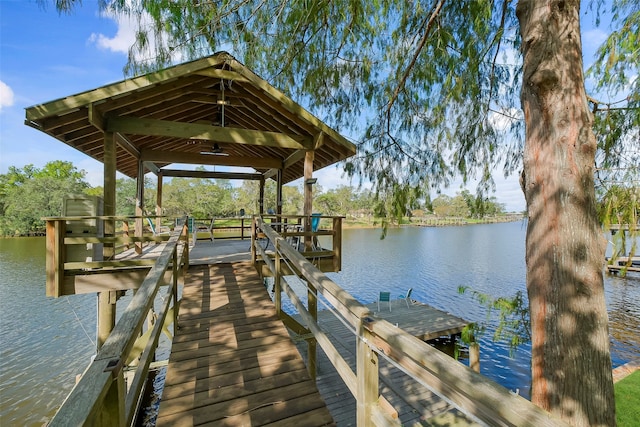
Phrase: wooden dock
(415, 403)
(232, 361)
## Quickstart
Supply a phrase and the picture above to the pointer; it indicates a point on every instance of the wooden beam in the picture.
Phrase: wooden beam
(152, 167)
(318, 140)
(211, 175)
(203, 159)
(270, 173)
(95, 117)
(128, 146)
(153, 127)
(294, 158)
(290, 105)
(223, 74)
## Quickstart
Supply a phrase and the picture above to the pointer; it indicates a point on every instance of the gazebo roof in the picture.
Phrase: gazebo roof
(177, 114)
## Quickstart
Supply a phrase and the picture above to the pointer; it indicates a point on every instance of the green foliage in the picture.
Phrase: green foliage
(513, 324)
(617, 115)
(28, 194)
(126, 189)
(424, 84)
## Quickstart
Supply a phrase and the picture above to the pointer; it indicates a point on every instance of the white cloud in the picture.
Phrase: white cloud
(123, 39)
(6, 95)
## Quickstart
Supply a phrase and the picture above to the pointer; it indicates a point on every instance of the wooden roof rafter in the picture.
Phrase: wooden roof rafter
(172, 115)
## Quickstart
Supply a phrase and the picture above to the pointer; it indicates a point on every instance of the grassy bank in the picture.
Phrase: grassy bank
(628, 401)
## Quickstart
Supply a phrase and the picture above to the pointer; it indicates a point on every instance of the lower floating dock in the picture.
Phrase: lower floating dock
(232, 361)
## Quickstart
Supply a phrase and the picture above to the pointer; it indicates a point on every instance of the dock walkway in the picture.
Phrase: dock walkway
(232, 361)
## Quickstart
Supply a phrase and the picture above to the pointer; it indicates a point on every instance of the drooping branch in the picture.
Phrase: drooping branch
(498, 36)
(427, 29)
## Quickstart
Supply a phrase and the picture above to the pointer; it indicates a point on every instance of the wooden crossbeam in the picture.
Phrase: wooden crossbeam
(153, 127)
(201, 159)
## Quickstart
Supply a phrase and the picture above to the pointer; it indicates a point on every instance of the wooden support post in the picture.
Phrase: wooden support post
(308, 197)
(277, 286)
(139, 204)
(312, 307)
(56, 230)
(474, 356)
(109, 192)
(159, 202)
(261, 197)
(254, 230)
(113, 411)
(367, 375)
(279, 197)
(125, 232)
(107, 300)
(106, 315)
(337, 244)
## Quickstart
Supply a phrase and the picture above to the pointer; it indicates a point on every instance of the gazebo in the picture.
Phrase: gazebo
(211, 111)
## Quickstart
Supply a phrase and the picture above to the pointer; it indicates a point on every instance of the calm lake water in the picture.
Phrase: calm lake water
(46, 342)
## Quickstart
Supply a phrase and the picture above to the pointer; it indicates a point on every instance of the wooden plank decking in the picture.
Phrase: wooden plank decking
(232, 361)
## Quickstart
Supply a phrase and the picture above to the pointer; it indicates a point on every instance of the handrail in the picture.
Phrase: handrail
(472, 393)
(101, 397)
(70, 247)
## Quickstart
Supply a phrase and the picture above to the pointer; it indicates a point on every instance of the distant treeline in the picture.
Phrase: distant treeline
(28, 194)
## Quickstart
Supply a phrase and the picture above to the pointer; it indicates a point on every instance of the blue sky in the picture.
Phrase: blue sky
(46, 56)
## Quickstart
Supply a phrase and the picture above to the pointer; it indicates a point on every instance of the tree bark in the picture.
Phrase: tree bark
(571, 364)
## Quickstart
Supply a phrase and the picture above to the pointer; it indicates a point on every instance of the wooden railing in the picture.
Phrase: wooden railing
(473, 394)
(232, 227)
(102, 397)
(327, 256)
(82, 254)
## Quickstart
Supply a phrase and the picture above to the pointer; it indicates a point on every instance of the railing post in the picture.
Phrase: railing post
(366, 373)
(185, 233)
(56, 230)
(125, 231)
(277, 285)
(312, 306)
(337, 243)
(113, 411)
(254, 230)
(474, 356)
(174, 284)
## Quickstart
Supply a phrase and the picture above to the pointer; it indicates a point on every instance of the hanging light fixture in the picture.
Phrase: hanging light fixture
(216, 150)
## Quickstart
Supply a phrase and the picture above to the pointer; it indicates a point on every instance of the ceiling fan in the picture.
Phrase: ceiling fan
(216, 150)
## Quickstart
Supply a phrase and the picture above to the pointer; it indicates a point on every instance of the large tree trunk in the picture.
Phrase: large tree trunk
(571, 364)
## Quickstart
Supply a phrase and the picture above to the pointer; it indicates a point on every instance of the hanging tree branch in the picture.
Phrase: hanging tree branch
(427, 26)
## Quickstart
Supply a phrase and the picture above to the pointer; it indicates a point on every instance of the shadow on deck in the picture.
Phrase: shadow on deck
(232, 361)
